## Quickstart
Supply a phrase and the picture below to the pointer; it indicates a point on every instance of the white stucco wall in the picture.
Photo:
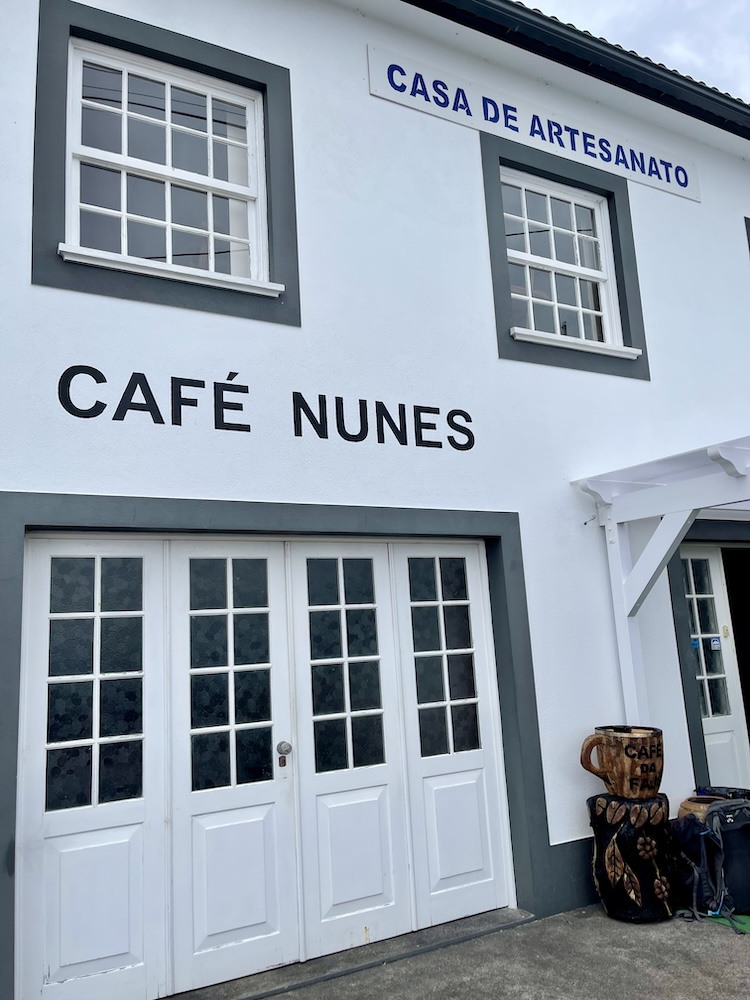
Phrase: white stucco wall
(397, 306)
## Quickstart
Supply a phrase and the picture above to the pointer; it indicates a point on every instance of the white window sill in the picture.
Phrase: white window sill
(575, 344)
(100, 258)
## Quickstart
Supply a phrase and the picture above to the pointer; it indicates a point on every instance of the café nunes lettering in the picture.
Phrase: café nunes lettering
(420, 426)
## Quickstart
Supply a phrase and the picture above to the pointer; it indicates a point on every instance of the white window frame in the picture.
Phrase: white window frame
(254, 193)
(613, 345)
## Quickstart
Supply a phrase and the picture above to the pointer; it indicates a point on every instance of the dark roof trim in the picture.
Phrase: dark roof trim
(564, 44)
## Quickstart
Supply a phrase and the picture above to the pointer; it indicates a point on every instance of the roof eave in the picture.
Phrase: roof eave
(564, 44)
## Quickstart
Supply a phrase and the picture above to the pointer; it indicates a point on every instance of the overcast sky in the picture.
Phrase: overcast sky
(706, 39)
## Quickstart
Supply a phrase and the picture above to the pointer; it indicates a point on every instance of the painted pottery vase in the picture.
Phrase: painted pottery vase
(630, 759)
(698, 806)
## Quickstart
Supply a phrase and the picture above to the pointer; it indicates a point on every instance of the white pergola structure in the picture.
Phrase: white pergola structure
(675, 490)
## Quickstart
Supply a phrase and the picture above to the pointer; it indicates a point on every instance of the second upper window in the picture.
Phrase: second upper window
(561, 266)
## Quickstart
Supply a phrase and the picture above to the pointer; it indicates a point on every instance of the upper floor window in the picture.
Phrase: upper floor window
(561, 266)
(165, 172)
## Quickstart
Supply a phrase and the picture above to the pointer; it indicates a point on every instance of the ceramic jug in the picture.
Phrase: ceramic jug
(630, 759)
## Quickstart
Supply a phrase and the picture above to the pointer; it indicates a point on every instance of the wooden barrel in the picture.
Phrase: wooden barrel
(633, 858)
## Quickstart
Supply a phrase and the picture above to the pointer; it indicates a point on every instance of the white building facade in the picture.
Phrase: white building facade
(325, 323)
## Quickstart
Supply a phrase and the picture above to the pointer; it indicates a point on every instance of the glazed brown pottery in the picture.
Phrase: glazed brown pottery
(698, 806)
(630, 759)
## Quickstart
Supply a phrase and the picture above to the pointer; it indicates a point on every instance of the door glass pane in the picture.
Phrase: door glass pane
(322, 581)
(453, 579)
(358, 583)
(72, 585)
(208, 641)
(120, 771)
(364, 685)
(254, 755)
(706, 614)
(122, 584)
(208, 584)
(702, 576)
(209, 700)
(121, 645)
(328, 689)
(425, 629)
(457, 630)
(433, 732)
(210, 752)
(465, 727)
(422, 586)
(461, 675)
(252, 696)
(250, 583)
(70, 712)
(330, 745)
(325, 634)
(719, 698)
(430, 686)
(121, 707)
(361, 632)
(251, 639)
(71, 646)
(367, 740)
(68, 778)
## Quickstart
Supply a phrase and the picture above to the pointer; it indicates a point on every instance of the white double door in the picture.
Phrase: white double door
(168, 839)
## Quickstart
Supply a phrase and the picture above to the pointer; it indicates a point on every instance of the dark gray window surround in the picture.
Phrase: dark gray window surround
(498, 152)
(721, 533)
(59, 20)
(549, 879)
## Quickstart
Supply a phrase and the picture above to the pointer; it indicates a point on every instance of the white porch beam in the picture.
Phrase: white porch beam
(659, 550)
(687, 494)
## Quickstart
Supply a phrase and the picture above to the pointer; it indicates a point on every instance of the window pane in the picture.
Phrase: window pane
(100, 232)
(189, 152)
(149, 242)
(328, 689)
(190, 250)
(364, 685)
(590, 295)
(325, 634)
(461, 675)
(254, 755)
(712, 658)
(544, 318)
(69, 711)
(465, 727)
(541, 283)
(707, 614)
(566, 289)
(514, 234)
(433, 731)
(585, 220)
(517, 279)
(322, 581)
(122, 584)
(146, 97)
(121, 771)
(68, 777)
(121, 707)
(520, 313)
(101, 129)
(100, 187)
(189, 109)
(208, 641)
(208, 584)
(71, 647)
(146, 197)
(453, 577)
(589, 253)
(422, 584)
(539, 243)
(457, 628)
(250, 583)
(147, 141)
(102, 84)
(210, 752)
(536, 207)
(251, 639)
(330, 745)
(702, 575)
(121, 646)
(232, 258)
(717, 692)
(569, 323)
(367, 740)
(230, 216)
(230, 163)
(209, 700)
(229, 120)
(561, 214)
(512, 199)
(361, 632)
(429, 671)
(189, 208)
(425, 629)
(71, 585)
(358, 583)
(565, 247)
(592, 327)
(252, 696)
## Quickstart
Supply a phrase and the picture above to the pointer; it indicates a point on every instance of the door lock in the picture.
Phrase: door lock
(283, 749)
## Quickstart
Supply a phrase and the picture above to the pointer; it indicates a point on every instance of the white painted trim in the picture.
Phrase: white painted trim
(101, 258)
(575, 343)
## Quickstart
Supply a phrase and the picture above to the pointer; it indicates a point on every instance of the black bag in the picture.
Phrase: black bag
(712, 861)
(723, 792)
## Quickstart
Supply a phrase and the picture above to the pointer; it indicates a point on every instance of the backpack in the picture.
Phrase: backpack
(712, 861)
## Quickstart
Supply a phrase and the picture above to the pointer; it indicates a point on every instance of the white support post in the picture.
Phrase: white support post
(627, 631)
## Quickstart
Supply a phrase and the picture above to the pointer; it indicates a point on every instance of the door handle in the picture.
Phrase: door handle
(284, 748)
